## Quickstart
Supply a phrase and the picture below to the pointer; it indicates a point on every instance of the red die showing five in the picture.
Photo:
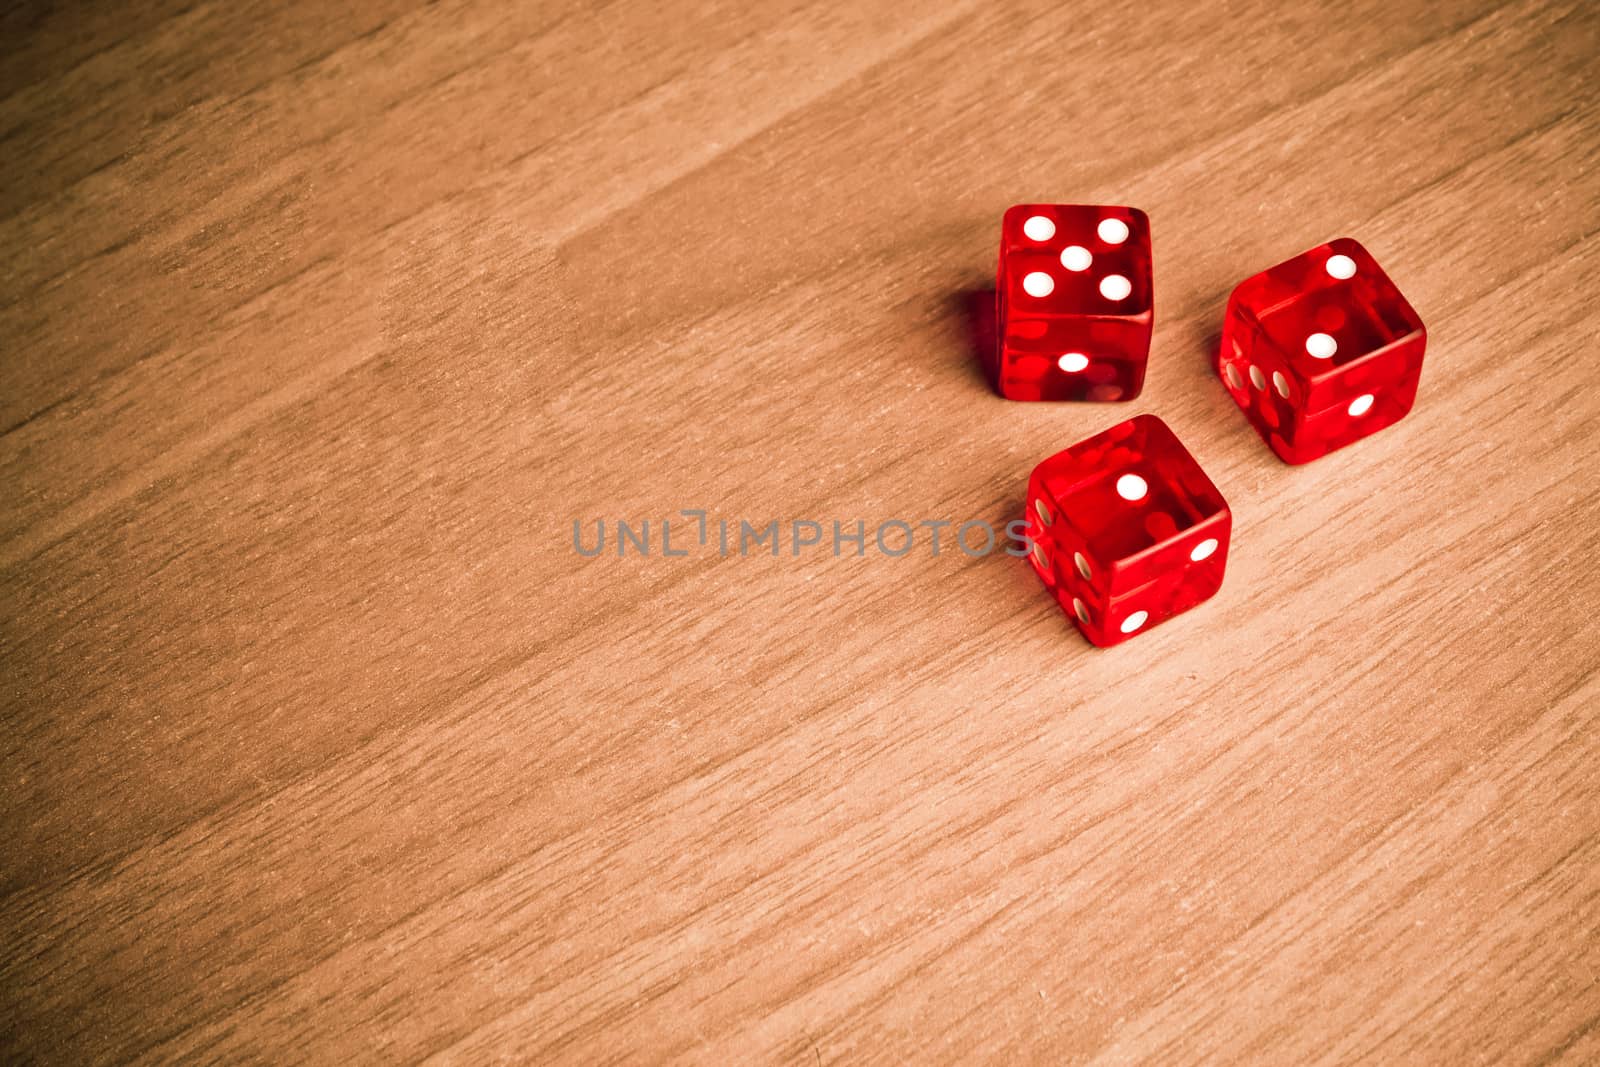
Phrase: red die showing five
(1073, 302)
(1127, 530)
(1321, 351)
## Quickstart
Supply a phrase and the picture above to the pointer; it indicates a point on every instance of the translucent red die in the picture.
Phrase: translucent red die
(1073, 302)
(1126, 530)
(1321, 351)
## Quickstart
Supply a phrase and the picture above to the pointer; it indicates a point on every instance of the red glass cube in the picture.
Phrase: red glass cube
(1321, 351)
(1127, 530)
(1073, 302)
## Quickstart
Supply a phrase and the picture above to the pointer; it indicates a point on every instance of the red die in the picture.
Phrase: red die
(1126, 529)
(1321, 351)
(1073, 302)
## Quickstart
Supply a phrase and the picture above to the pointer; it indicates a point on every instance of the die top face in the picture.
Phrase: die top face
(1334, 326)
(1075, 259)
(1132, 502)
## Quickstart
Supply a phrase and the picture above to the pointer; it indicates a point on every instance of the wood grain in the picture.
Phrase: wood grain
(323, 325)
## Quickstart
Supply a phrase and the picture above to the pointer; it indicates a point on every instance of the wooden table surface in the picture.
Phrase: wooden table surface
(324, 323)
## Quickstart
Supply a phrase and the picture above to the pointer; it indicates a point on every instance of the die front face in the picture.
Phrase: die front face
(1073, 302)
(1321, 351)
(1127, 530)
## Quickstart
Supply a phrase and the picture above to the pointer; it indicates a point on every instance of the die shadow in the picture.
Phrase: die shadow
(1211, 351)
(974, 308)
(1019, 585)
(1209, 387)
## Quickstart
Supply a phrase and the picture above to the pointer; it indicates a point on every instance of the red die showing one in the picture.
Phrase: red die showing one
(1073, 302)
(1321, 351)
(1126, 529)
